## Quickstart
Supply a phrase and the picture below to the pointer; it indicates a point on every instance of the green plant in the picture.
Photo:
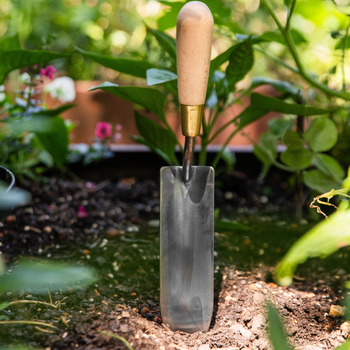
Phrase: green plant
(32, 137)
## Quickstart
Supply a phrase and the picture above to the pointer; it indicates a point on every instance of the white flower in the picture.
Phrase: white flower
(62, 88)
(2, 94)
(24, 78)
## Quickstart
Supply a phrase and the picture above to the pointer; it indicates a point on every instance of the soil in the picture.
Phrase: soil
(66, 219)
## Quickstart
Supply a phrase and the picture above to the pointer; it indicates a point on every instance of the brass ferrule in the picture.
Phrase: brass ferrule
(191, 118)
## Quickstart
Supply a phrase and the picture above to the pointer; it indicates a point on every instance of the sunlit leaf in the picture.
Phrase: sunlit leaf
(276, 332)
(38, 275)
(14, 59)
(321, 135)
(298, 159)
(137, 68)
(322, 240)
(157, 136)
(159, 76)
(151, 99)
(329, 166)
(319, 181)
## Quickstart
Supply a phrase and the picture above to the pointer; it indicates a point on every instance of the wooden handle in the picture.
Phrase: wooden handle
(194, 31)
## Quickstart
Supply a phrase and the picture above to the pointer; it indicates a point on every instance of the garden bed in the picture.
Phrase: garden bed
(110, 222)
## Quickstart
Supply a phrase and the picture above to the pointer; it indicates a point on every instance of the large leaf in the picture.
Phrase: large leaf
(56, 111)
(319, 181)
(240, 62)
(322, 240)
(137, 68)
(276, 332)
(298, 158)
(169, 18)
(38, 275)
(321, 135)
(167, 42)
(10, 43)
(151, 99)
(282, 86)
(269, 142)
(157, 136)
(329, 166)
(19, 125)
(14, 59)
(277, 105)
(56, 141)
(159, 76)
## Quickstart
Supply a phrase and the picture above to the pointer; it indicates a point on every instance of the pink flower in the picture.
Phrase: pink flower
(82, 212)
(48, 72)
(103, 130)
(90, 185)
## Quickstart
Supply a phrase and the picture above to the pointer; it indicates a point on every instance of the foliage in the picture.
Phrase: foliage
(32, 137)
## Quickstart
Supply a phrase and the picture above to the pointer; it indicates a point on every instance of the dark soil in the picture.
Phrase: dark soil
(67, 220)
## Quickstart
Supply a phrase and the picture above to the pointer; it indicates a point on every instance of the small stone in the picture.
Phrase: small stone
(10, 218)
(204, 347)
(124, 328)
(245, 332)
(222, 306)
(257, 322)
(336, 311)
(153, 223)
(144, 310)
(345, 329)
(26, 228)
(113, 233)
(47, 229)
(125, 314)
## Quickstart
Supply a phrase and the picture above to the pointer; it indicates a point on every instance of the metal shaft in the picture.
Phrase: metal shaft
(187, 160)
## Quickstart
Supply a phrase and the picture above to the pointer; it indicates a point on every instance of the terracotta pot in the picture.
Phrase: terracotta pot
(102, 106)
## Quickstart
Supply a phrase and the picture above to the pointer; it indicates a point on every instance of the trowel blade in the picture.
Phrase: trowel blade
(186, 248)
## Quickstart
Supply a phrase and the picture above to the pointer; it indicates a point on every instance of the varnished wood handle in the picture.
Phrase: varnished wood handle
(194, 31)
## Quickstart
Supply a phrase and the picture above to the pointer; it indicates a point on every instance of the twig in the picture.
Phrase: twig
(32, 302)
(35, 323)
(49, 294)
(118, 337)
(44, 330)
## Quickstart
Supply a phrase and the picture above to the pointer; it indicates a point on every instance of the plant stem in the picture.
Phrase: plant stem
(35, 323)
(222, 128)
(291, 11)
(222, 149)
(302, 71)
(31, 302)
(343, 56)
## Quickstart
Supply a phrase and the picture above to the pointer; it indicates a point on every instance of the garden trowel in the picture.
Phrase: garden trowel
(187, 192)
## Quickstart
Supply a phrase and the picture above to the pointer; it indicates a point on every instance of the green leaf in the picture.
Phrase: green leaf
(319, 181)
(299, 158)
(10, 43)
(159, 76)
(14, 59)
(298, 37)
(56, 111)
(137, 68)
(36, 124)
(56, 141)
(344, 346)
(38, 275)
(269, 143)
(282, 86)
(329, 166)
(279, 126)
(240, 62)
(221, 59)
(221, 225)
(322, 240)
(151, 99)
(157, 136)
(293, 140)
(4, 306)
(251, 114)
(272, 36)
(263, 154)
(276, 332)
(167, 42)
(321, 135)
(339, 45)
(170, 17)
(274, 104)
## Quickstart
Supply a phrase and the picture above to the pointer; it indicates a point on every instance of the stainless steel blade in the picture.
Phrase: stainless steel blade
(186, 248)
